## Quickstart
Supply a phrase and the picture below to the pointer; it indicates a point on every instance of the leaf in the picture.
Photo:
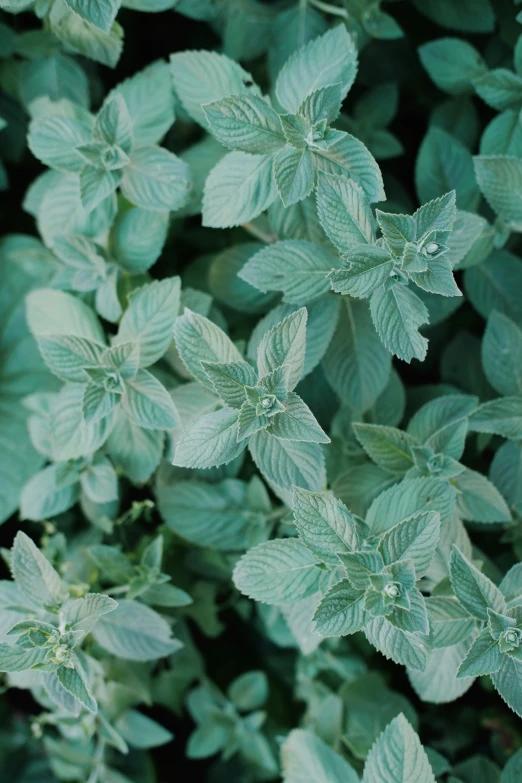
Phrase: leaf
(299, 269)
(307, 759)
(500, 180)
(398, 313)
(444, 164)
(356, 364)
(329, 59)
(75, 682)
(388, 447)
(219, 516)
(277, 572)
(149, 319)
(296, 423)
(492, 285)
(197, 340)
(135, 632)
(72, 436)
(398, 756)
(348, 157)
(502, 354)
(238, 189)
(483, 657)
(478, 500)
(450, 622)
(57, 313)
(499, 417)
(34, 574)
(137, 238)
(229, 380)
(410, 497)
(294, 174)
(67, 356)
(140, 731)
(344, 212)
(368, 268)
(452, 64)
(474, 590)
(246, 123)
(18, 659)
(210, 440)
(414, 539)
(341, 611)
(249, 691)
(284, 345)
(473, 16)
(324, 524)
(156, 179)
(203, 77)
(100, 13)
(84, 613)
(438, 683)
(508, 682)
(54, 140)
(43, 497)
(442, 423)
(148, 404)
(411, 650)
(500, 88)
(288, 463)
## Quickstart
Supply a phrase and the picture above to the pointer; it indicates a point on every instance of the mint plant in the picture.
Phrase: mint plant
(260, 391)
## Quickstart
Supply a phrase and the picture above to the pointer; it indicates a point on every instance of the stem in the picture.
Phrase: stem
(329, 9)
(258, 233)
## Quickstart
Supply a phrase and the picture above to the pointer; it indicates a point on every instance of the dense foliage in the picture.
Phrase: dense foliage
(261, 391)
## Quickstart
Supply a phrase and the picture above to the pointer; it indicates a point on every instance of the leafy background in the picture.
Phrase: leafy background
(478, 723)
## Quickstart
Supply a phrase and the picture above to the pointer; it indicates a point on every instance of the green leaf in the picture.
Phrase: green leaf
(348, 157)
(483, 657)
(43, 497)
(299, 269)
(149, 318)
(156, 179)
(210, 440)
(368, 267)
(229, 380)
(57, 313)
(324, 524)
(500, 180)
(327, 60)
(452, 64)
(473, 589)
(414, 539)
(307, 759)
(442, 423)
(249, 691)
(204, 77)
(502, 354)
(341, 611)
(438, 683)
(135, 632)
(478, 500)
(450, 622)
(197, 340)
(388, 447)
(398, 756)
(499, 417)
(500, 88)
(148, 404)
(72, 436)
(508, 682)
(238, 189)
(221, 516)
(285, 345)
(356, 364)
(140, 731)
(472, 16)
(444, 164)
(34, 574)
(75, 682)
(277, 572)
(294, 174)
(84, 613)
(54, 139)
(398, 313)
(246, 123)
(410, 497)
(411, 650)
(344, 212)
(149, 99)
(288, 463)
(137, 238)
(297, 423)
(492, 285)
(67, 356)
(17, 659)
(100, 13)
